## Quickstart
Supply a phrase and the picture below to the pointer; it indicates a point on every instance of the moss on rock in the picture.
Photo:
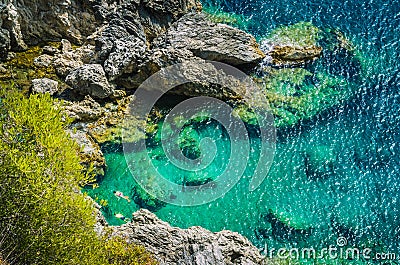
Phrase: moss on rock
(21, 69)
(299, 34)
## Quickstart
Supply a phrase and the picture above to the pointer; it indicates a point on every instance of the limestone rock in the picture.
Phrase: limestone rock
(11, 22)
(123, 23)
(195, 245)
(43, 60)
(90, 151)
(154, 61)
(157, 15)
(68, 60)
(86, 110)
(121, 44)
(124, 55)
(90, 79)
(44, 85)
(50, 50)
(292, 45)
(32, 22)
(191, 73)
(211, 41)
(280, 55)
(5, 43)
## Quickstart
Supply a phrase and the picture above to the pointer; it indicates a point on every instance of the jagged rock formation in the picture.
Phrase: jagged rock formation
(194, 245)
(90, 154)
(32, 22)
(90, 79)
(211, 41)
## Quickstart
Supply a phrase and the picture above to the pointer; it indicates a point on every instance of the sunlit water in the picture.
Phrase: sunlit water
(356, 190)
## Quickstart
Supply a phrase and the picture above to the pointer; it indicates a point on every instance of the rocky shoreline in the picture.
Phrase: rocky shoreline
(93, 54)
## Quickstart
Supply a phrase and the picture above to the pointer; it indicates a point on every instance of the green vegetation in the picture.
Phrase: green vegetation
(300, 34)
(21, 69)
(44, 218)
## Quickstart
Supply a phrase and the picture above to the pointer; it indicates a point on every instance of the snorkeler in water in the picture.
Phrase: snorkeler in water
(121, 195)
(120, 216)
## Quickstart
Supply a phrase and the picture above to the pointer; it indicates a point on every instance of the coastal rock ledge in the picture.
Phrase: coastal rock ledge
(195, 245)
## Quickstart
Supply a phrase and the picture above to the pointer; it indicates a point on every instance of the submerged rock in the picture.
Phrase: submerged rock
(90, 79)
(195, 245)
(287, 227)
(211, 41)
(147, 201)
(320, 161)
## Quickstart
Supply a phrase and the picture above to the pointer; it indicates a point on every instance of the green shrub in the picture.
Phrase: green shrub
(44, 218)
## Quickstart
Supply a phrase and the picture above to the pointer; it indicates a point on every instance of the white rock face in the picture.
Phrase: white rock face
(44, 85)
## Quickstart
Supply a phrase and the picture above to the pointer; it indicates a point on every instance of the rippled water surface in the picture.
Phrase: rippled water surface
(354, 188)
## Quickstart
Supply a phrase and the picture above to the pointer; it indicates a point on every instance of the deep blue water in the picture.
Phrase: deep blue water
(359, 196)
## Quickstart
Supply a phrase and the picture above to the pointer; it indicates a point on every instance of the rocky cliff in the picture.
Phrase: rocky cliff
(195, 245)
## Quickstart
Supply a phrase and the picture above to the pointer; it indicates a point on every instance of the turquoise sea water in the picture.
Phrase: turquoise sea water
(353, 189)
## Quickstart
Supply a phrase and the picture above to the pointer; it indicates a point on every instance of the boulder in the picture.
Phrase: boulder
(124, 56)
(292, 45)
(211, 41)
(90, 79)
(43, 60)
(281, 55)
(68, 59)
(191, 73)
(195, 245)
(44, 85)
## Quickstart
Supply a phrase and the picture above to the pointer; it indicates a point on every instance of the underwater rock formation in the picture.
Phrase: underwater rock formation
(194, 245)
(284, 229)
(146, 201)
(320, 162)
